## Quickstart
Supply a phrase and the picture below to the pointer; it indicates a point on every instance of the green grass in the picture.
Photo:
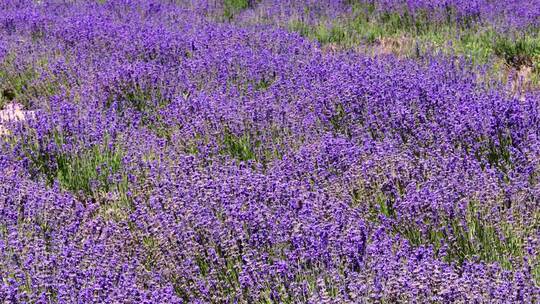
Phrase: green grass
(96, 165)
(93, 171)
(239, 147)
(25, 86)
(151, 249)
(233, 7)
(260, 146)
(324, 33)
(520, 51)
(264, 83)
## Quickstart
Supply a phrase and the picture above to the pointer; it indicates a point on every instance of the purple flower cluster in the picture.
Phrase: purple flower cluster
(175, 159)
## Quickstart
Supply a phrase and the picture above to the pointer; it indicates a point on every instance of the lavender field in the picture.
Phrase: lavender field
(266, 151)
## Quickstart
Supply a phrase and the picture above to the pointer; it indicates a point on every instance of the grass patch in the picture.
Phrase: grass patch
(95, 166)
(518, 52)
(151, 248)
(92, 171)
(249, 146)
(239, 147)
(264, 83)
(233, 7)
(325, 33)
(24, 85)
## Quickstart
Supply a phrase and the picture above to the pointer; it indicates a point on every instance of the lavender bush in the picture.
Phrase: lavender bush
(177, 158)
(505, 15)
(500, 34)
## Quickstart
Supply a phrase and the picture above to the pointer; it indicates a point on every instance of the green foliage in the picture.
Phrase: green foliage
(233, 7)
(94, 170)
(339, 121)
(302, 28)
(263, 84)
(465, 237)
(517, 52)
(239, 147)
(24, 85)
(333, 34)
(471, 237)
(324, 33)
(248, 145)
(98, 164)
(151, 248)
(478, 45)
(385, 205)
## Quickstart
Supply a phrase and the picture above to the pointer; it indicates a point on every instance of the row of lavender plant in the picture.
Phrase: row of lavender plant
(172, 159)
(504, 15)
